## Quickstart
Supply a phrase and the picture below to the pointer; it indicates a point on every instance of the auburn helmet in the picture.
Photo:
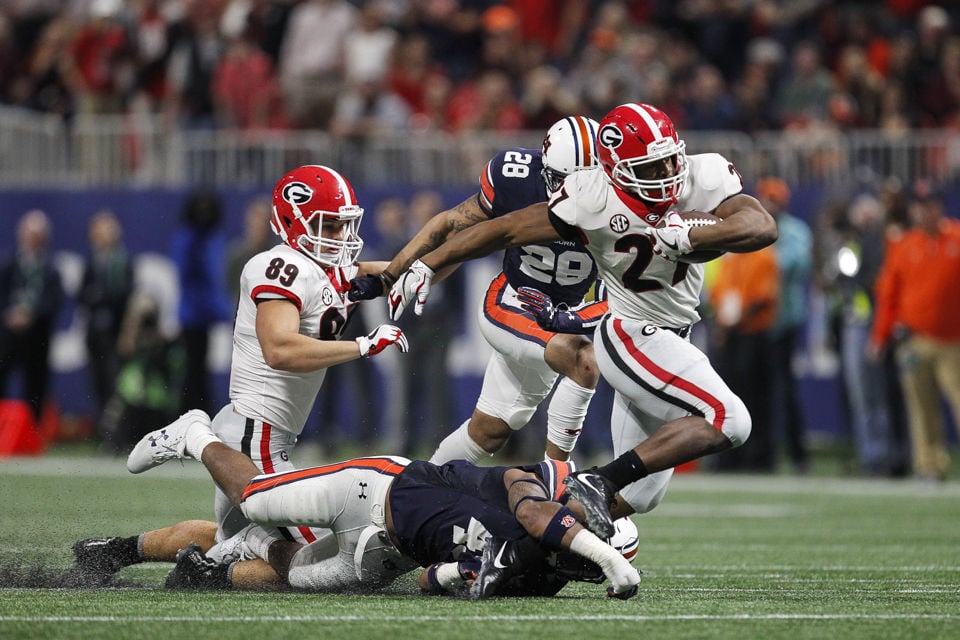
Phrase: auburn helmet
(642, 154)
(570, 145)
(306, 199)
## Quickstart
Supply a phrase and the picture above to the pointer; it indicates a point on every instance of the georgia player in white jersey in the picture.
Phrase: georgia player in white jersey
(670, 405)
(293, 308)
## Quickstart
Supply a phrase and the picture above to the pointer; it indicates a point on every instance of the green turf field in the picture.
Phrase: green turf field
(724, 557)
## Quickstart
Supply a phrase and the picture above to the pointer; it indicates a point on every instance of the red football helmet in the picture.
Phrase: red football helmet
(638, 148)
(306, 198)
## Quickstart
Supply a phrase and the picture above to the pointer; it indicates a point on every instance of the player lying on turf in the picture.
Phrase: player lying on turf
(387, 515)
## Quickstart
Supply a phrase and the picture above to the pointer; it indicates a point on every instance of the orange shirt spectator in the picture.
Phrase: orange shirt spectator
(916, 287)
(746, 291)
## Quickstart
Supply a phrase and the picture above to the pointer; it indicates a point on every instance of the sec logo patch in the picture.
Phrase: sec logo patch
(619, 223)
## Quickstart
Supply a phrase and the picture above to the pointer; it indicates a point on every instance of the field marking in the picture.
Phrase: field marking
(503, 618)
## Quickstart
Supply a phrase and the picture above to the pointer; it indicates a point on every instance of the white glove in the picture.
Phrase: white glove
(414, 283)
(381, 338)
(672, 239)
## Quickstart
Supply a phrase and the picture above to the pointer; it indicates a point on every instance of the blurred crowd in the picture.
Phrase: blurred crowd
(358, 67)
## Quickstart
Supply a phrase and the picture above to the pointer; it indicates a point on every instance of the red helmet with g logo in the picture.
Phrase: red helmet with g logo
(306, 198)
(641, 153)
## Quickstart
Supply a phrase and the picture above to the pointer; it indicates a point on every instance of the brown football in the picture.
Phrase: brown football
(698, 219)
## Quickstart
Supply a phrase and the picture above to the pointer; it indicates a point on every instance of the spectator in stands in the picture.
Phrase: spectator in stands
(794, 252)
(917, 301)
(312, 59)
(43, 86)
(545, 99)
(710, 105)
(98, 56)
(105, 289)
(196, 49)
(803, 97)
(30, 296)
(198, 250)
(370, 47)
(486, 103)
(413, 71)
(246, 91)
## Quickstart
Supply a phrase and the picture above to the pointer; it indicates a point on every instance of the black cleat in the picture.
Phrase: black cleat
(196, 572)
(500, 561)
(105, 556)
(596, 495)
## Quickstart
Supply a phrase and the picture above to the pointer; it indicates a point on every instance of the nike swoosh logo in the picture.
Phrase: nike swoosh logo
(496, 561)
(672, 245)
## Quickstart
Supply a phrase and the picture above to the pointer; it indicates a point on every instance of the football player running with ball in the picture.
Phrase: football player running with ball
(670, 405)
(540, 292)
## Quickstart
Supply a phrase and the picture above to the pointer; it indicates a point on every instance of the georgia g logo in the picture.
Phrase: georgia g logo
(610, 136)
(297, 193)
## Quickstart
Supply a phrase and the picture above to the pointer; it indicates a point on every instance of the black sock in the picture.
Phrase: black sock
(624, 470)
(128, 551)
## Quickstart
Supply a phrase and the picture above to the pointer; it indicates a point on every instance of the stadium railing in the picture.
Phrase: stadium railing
(120, 151)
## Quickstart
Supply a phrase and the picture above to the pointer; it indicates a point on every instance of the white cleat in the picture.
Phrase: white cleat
(168, 443)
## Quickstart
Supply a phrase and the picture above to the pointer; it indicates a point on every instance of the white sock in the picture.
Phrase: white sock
(459, 446)
(566, 413)
(198, 436)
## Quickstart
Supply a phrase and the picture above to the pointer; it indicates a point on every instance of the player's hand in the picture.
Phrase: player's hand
(624, 579)
(672, 239)
(365, 288)
(469, 569)
(414, 284)
(547, 315)
(381, 338)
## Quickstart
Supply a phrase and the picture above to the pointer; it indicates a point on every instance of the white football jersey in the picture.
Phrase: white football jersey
(640, 284)
(283, 398)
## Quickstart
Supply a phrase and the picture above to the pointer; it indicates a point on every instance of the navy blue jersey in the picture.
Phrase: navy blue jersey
(448, 511)
(564, 270)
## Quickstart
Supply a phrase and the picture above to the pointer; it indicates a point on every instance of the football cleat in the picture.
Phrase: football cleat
(592, 491)
(194, 571)
(168, 443)
(498, 564)
(105, 556)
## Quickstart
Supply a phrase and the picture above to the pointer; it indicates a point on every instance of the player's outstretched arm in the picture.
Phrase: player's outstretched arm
(746, 227)
(524, 226)
(371, 284)
(286, 349)
(438, 230)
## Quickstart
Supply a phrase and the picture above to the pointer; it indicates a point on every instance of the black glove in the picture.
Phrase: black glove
(365, 288)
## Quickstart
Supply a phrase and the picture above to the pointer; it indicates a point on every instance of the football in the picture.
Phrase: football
(699, 219)
(625, 538)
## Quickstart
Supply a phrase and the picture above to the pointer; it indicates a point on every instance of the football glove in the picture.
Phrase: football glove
(414, 284)
(365, 288)
(557, 318)
(672, 239)
(381, 338)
